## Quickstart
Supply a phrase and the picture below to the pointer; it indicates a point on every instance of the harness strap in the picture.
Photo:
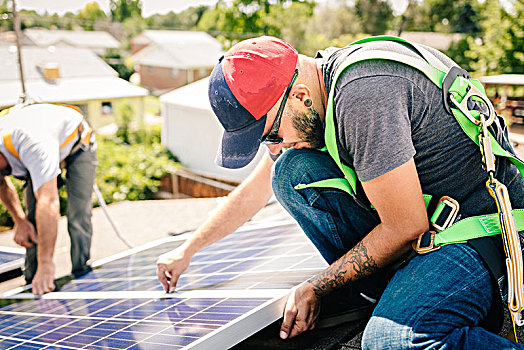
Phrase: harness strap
(8, 142)
(476, 227)
(458, 89)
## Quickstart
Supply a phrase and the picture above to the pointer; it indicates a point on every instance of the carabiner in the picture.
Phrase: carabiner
(463, 105)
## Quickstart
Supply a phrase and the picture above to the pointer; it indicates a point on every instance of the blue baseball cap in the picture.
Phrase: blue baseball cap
(245, 84)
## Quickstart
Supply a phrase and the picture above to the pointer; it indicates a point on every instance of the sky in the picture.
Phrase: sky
(149, 7)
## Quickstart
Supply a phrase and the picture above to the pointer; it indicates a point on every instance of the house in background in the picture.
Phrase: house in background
(439, 41)
(168, 59)
(60, 74)
(96, 41)
(192, 133)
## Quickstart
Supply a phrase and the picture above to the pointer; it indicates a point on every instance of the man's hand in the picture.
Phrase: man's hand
(43, 282)
(24, 233)
(301, 312)
(169, 268)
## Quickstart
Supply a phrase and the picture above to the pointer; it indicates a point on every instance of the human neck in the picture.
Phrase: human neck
(312, 77)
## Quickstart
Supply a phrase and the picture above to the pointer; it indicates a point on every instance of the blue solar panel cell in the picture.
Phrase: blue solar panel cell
(11, 259)
(6, 257)
(118, 323)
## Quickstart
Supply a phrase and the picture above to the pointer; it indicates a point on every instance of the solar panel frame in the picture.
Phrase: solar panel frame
(11, 258)
(234, 330)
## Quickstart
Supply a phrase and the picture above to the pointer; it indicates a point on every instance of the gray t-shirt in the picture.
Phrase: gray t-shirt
(387, 112)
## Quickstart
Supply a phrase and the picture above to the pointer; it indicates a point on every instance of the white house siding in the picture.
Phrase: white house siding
(192, 133)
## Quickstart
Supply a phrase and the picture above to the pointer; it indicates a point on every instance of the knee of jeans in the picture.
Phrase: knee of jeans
(296, 166)
(288, 170)
(382, 333)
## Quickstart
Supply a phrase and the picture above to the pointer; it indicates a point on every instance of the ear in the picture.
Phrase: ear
(301, 92)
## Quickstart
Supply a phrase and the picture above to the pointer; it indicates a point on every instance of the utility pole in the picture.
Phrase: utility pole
(16, 25)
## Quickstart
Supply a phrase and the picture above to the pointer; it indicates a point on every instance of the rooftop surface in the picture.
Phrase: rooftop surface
(178, 49)
(78, 38)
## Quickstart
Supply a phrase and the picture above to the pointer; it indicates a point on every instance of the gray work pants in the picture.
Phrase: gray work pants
(80, 177)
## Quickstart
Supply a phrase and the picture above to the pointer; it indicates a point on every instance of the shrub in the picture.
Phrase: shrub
(132, 171)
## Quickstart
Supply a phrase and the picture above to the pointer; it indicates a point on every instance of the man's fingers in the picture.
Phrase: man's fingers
(173, 279)
(288, 322)
(32, 236)
(41, 287)
(23, 243)
(298, 327)
(161, 275)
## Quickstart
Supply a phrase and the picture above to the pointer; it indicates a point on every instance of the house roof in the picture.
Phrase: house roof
(178, 49)
(92, 40)
(72, 62)
(70, 90)
(83, 76)
(171, 36)
(193, 95)
(439, 41)
(503, 79)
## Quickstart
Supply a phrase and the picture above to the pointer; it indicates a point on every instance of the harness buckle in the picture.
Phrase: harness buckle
(450, 77)
(425, 243)
(445, 213)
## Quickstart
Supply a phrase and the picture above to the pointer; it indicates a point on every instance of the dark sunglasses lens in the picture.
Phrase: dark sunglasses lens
(271, 141)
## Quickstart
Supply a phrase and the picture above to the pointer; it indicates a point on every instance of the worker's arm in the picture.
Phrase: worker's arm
(397, 196)
(47, 214)
(244, 202)
(24, 232)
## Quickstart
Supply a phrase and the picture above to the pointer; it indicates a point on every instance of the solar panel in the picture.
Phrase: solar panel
(280, 258)
(230, 290)
(11, 259)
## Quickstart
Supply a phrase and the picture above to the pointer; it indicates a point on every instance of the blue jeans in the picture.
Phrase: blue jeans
(80, 178)
(436, 301)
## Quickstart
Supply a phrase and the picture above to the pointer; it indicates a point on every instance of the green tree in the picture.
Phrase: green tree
(124, 9)
(187, 19)
(292, 21)
(465, 20)
(374, 15)
(90, 14)
(499, 48)
(6, 21)
(114, 58)
(334, 22)
(240, 19)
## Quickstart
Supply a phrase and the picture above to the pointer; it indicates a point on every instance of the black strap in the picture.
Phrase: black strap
(494, 261)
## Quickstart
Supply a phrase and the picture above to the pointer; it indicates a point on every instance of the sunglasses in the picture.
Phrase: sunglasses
(272, 137)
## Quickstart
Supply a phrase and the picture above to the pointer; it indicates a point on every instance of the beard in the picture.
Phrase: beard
(310, 128)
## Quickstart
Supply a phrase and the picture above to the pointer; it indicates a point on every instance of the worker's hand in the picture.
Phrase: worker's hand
(301, 312)
(169, 268)
(43, 281)
(24, 233)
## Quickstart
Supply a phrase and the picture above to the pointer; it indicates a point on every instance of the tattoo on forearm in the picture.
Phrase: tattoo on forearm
(357, 260)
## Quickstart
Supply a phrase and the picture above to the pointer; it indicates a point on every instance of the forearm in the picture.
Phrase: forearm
(46, 216)
(9, 196)
(244, 202)
(397, 197)
(377, 250)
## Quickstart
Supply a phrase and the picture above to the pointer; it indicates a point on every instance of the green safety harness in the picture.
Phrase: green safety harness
(457, 87)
